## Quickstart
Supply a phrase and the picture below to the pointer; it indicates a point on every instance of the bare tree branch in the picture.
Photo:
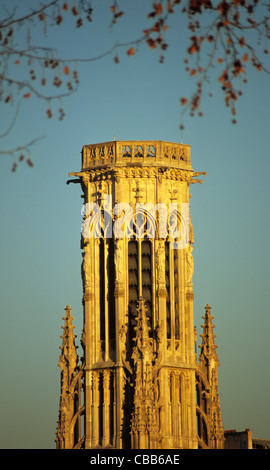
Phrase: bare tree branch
(12, 124)
(21, 148)
(218, 34)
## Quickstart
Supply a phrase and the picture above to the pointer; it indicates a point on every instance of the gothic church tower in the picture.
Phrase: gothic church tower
(139, 385)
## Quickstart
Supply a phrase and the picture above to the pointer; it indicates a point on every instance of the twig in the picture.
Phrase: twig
(20, 148)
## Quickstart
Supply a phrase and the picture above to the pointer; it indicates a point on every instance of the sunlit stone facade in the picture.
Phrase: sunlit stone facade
(139, 384)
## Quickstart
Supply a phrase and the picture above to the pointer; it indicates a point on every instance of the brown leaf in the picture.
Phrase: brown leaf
(193, 49)
(117, 15)
(151, 43)
(29, 162)
(242, 41)
(183, 101)
(223, 8)
(66, 70)
(169, 7)
(158, 8)
(223, 77)
(131, 51)
(258, 66)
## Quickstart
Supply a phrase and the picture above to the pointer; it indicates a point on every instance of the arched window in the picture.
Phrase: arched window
(106, 304)
(140, 269)
(201, 397)
(172, 288)
(140, 266)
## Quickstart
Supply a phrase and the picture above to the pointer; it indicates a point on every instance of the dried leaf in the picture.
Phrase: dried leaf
(183, 101)
(117, 15)
(151, 43)
(66, 70)
(193, 49)
(242, 41)
(223, 77)
(29, 162)
(158, 8)
(131, 51)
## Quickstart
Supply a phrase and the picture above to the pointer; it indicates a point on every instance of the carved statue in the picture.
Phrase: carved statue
(118, 256)
(191, 232)
(160, 261)
(86, 275)
(190, 264)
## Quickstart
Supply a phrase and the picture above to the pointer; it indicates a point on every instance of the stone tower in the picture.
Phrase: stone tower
(139, 385)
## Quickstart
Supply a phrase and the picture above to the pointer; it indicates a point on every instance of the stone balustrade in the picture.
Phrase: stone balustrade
(133, 152)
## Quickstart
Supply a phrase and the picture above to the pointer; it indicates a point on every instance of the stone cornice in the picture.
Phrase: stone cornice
(116, 173)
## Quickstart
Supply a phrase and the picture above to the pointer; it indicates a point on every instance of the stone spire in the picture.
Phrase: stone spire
(67, 363)
(208, 365)
(208, 347)
(144, 417)
(68, 358)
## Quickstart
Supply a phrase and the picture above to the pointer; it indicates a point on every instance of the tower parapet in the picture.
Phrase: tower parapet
(133, 152)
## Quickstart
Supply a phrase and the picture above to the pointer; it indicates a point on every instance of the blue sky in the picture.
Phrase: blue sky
(40, 257)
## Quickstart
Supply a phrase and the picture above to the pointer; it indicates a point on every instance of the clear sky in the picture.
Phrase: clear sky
(40, 257)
